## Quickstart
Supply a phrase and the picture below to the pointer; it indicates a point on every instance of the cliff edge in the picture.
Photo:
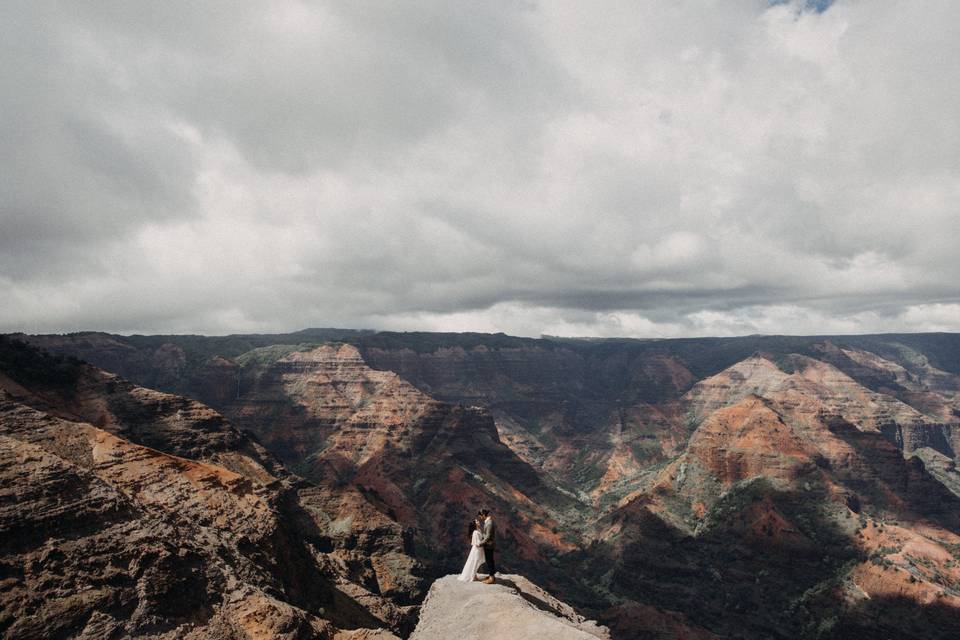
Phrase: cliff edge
(513, 608)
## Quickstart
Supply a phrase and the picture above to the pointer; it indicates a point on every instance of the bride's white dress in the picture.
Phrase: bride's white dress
(474, 560)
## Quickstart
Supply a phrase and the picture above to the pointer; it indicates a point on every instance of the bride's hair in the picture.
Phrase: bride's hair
(471, 527)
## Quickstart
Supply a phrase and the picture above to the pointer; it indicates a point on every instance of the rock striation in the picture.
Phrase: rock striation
(791, 468)
(757, 487)
(592, 419)
(396, 470)
(126, 512)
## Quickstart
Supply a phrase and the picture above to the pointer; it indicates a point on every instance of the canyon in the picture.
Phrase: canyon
(318, 484)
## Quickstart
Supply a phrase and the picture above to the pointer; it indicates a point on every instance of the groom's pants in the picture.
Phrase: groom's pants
(488, 558)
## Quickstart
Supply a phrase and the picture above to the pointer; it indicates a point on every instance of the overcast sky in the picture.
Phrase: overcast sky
(709, 167)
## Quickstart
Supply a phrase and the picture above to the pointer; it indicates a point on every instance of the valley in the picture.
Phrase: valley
(756, 487)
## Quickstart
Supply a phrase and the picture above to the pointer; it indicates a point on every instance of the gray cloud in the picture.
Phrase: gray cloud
(617, 169)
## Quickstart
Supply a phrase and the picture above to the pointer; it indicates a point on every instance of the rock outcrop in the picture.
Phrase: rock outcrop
(396, 470)
(513, 608)
(793, 466)
(126, 512)
(807, 386)
(591, 417)
(757, 487)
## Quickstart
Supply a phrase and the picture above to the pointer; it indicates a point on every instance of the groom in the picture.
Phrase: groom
(487, 540)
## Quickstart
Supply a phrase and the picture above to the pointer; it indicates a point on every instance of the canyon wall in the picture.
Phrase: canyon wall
(763, 487)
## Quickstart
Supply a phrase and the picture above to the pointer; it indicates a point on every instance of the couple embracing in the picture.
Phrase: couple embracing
(482, 548)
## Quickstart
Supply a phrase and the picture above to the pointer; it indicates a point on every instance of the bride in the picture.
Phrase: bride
(476, 554)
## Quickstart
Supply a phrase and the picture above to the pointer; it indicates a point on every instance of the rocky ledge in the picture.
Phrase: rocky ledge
(513, 608)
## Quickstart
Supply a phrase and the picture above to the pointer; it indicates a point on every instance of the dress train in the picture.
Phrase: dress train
(474, 560)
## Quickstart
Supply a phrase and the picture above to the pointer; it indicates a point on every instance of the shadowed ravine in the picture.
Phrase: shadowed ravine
(762, 487)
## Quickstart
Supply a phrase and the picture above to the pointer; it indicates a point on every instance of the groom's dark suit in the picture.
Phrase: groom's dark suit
(488, 541)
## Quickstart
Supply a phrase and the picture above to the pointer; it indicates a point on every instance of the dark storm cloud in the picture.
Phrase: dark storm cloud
(83, 162)
(641, 169)
(297, 86)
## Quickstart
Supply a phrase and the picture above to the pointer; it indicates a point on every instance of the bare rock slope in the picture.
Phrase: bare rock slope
(513, 608)
(126, 512)
(391, 464)
(755, 487)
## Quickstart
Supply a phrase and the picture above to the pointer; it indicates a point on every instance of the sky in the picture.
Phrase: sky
(637, 168)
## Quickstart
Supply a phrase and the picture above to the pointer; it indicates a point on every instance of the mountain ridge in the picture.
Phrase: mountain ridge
(633, 478)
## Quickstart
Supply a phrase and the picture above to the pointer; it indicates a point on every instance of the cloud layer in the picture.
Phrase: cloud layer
(622, 168)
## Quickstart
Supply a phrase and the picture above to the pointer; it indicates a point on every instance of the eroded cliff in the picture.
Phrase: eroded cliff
(763, 486)
(128, 512)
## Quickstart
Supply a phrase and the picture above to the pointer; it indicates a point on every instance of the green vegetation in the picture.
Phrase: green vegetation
(29, 365)
(786, 364)
(954, 550)
(270, 354)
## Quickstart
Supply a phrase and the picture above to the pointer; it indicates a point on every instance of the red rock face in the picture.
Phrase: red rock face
(748, 487)
(409, 464)
(195, 535)
(216, 383)
(913, 380)
(328, 399)
(747, 440)
(777, 450)
(593, 424)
